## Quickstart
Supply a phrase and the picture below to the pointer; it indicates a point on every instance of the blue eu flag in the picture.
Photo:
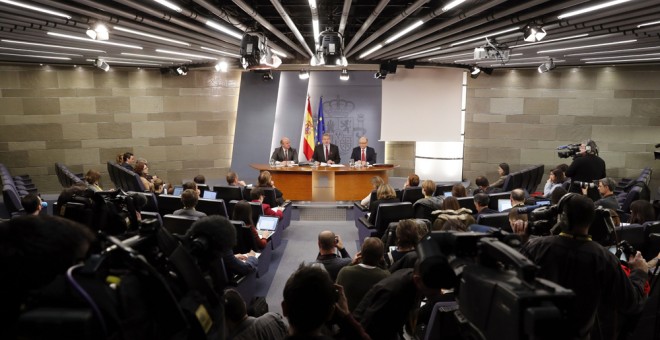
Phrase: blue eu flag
(320, 124)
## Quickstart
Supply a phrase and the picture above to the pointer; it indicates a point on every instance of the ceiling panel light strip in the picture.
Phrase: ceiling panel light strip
(451, 56)
(452, 5)
(315, 20)
(36, 51)
(485, 36)
(376, 48)
(154, 57)
(622, 56)
(169, 5)
(222, 52)
(86, 39)
(612, 51)
(591, 9)
(281, 54)
(126, 62)
(553, 40)
(587, 46)
(648, 24)
(51, 46)
(484, 60)
(153, 36)
(421, 52)
(36, 8)
(621, 61)
(404, 31)
(186, 54)
(135, 60)
(36, 56)
(525, 63)
(224, 29)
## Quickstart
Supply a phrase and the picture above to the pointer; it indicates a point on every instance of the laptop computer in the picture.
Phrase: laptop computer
(446, 194)
(503, 204)
(267, 223)
(210, 195)
(177, 191)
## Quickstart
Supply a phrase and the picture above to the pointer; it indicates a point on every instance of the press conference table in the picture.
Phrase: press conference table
(322, 184)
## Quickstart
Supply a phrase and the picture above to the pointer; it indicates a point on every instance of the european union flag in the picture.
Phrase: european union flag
(320, 124)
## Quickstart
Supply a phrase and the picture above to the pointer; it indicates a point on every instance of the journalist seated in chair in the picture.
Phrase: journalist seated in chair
(189, 198)
(517, 199)
(481, 201)
(92, 178)
(411, 181)
(606, 190)
(458, 190)
(233, 180)
(243, 212)
(641, 211)
(332, 253)
(192, 186)
(482, 185)
(384, 194)
(142, 169)
(406, 240)
(376, 182)
(503, 171)
(430, 201)
(257, 195)
(240, 326)
(265, 181)
(216, 239)
(32, 204)
(555, 181)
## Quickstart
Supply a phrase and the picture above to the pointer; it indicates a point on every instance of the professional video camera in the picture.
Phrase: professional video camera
(570, 150)
(585, 185)
(499, 295)
(623, 251)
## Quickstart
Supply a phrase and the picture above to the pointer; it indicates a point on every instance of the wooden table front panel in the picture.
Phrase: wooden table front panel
(297, 182)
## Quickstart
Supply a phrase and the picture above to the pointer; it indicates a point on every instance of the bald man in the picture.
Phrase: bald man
(285, 152)
(364, 152)
(332, 253)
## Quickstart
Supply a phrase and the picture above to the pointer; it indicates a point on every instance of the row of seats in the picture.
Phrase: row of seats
(645, 237)
(527, 179)
(124, 179)
(628, 190)
(13, 188)
(66, 177)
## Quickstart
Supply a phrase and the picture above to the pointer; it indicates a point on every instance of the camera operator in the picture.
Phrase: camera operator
(586, 167)
(574, 261)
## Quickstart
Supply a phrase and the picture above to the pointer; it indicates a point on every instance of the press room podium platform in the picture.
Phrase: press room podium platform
(324, 183)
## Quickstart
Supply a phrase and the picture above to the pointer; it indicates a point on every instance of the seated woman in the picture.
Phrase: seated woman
(265, 181)
(243, 212)
(92, 178)
(555, 180)
(143, 171)
(503, 171)
(257, 195)
(406, 240)
(641, 211)
(458, 190)
(376, 182)
(412, 181)
(385, 194)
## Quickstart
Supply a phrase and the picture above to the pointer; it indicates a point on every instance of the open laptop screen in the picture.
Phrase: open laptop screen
(503, 204)
(210, 195)
(267, 223)
(177, 191)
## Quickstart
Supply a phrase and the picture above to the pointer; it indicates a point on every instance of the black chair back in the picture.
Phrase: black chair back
(467, 202)
(517, 180)
(178, 224)
(270, 197)
(497, 220)
(440, 189)
(526, 178)
(412, 194)
(212, 207)
(424, 211)
(495, 197)
(257, 211)
(632, 196)
(244, 238)
(228, 192)
(167, 204)
(634, 234)
(392, 212)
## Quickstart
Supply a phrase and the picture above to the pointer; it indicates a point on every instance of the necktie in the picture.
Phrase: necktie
(326, 153)
(364, 158)
(285, 158)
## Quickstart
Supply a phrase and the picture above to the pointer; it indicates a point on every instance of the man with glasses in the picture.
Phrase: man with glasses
(606, 189)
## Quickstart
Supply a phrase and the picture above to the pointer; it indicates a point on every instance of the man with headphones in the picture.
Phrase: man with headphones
(587, 167)
(574, 261)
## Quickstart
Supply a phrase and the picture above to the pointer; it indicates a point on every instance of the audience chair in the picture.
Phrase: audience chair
(245, 242)
(412, 194)
(176, 224)
(443, 323)
(634, 234)
(229, 193)
(167, 204)
(497, 220)
(492, 203)
(467, 202)
(387, 213)
(212, 207)
(440, 189)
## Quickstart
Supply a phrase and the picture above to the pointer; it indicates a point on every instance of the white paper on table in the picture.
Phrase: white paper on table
(337, 165)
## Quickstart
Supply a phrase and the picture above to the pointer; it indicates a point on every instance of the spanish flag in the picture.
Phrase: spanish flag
(308, 132)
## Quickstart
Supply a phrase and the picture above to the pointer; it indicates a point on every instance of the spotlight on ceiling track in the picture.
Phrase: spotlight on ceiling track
(304, 74)
(532, 32)
(181, 70)
(547, 66)
(388, 67)
(98, 32)
(222, 66)
(268, 76)
(330, 51)
(344, 75)
(475, 71)
(255, 53)
(101, 64)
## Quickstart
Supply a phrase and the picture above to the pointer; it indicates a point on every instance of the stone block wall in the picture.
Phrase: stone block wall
(83, 117)
(521, 116)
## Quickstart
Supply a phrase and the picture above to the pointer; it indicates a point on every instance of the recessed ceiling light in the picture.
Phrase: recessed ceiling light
(35, 56)
(648, 24)
(169, 5)
(148, 35)
(485, 36)
(622, 56)
(420, 52)
(621, 61)
(376, 48)
(613, 51)
(553, 40)
(36, 51)
(590, 9)
(404, 31)
(452, 5)
(36, 8)
(586, 46)
(51, 46)
(224, 29)
(155, 57)
(126, 62)
(185, 54)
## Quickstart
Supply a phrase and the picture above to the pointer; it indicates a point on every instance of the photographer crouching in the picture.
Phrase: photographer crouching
(586, 167)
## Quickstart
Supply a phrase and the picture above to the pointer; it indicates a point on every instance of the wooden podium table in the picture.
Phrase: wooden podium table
(304, 183)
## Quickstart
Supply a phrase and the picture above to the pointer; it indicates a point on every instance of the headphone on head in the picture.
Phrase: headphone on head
(590, 146)
(563, 222)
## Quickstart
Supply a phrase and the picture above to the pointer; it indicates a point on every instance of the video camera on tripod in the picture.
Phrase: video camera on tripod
(499, 295)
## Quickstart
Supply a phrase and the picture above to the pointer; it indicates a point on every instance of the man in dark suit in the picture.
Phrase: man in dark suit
(326, 152)
(285, 152)
(364, 153)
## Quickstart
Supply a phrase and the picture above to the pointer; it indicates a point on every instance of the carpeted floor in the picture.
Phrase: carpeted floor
(299, 245)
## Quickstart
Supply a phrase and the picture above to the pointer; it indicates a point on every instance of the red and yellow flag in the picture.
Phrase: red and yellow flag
(308, 132)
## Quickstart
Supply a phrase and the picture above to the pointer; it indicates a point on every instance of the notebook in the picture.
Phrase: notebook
(177, 191)
(210, 195)
(266, 224)
(503, 204)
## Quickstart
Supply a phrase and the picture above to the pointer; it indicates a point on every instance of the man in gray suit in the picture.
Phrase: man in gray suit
(285, 152)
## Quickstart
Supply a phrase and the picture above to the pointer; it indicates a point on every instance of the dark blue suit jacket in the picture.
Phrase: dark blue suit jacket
(356, 155)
